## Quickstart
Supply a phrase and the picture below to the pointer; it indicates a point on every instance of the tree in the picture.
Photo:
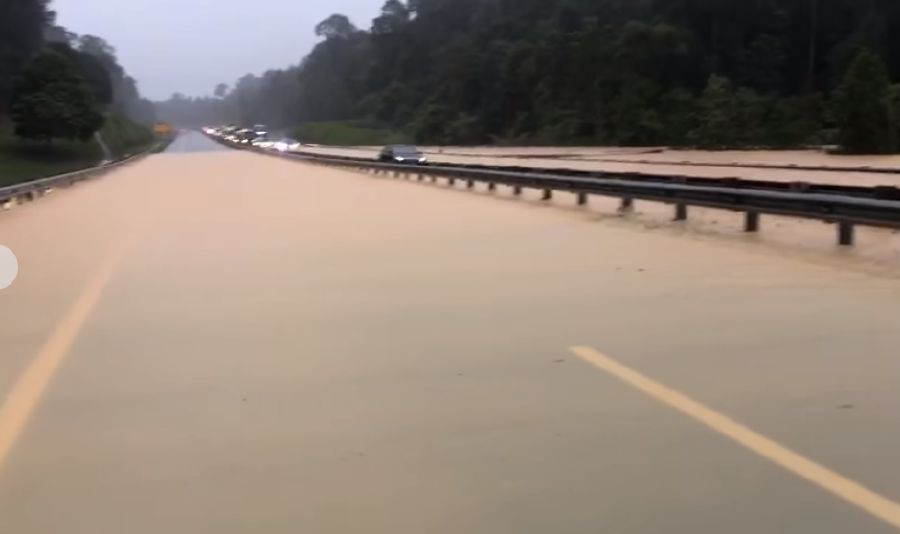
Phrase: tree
(336, 25)
(21, 25)
(465, 130)
(92, 70)
(714, 72)
(862, 107)
(125, 95)
(679, 109)
(97, 47)
(53, 101)
(221, 90)
(394, 14)
(718, 119)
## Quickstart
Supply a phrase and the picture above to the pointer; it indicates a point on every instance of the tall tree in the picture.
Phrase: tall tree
(584, 70)
(336, 25)
(863, 107)
(21, 35)
(92, 70)
(719, 125)
(53, 101)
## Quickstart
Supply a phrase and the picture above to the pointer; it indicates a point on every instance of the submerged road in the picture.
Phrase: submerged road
(212, 341)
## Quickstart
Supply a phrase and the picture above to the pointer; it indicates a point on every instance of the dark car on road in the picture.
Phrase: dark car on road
(402, 154)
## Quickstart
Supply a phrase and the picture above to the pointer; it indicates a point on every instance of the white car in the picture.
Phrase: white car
(286, 145)
(263, 142)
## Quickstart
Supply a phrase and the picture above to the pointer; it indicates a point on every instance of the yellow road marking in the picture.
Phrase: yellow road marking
(26, 393)
(839, 485)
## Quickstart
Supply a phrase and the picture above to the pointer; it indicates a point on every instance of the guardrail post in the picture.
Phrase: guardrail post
(517, 189)
(433, 178)
(470, 184)
(548, 194)
(627, 205)
(451, 181)
(751, 221)
(492, 186)
(582, 199)
(421, 177)
(845, 233)
(681, 212)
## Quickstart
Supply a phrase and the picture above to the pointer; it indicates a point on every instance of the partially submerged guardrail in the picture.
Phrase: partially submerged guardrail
(27, 191)
(845, 211)
(880, 192)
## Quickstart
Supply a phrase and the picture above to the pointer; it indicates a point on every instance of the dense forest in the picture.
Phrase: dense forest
(56, 84)
(712, 73)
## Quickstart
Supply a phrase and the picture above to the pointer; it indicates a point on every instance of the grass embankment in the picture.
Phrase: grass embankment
(22, 161)
(124, 137)
(348, 133)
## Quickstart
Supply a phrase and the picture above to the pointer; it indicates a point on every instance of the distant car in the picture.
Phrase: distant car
(286, 145)
(246, 136)
(402, 154)
(263, 142)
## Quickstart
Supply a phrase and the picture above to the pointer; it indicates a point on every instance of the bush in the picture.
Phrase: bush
(862, 107)
(123, 136)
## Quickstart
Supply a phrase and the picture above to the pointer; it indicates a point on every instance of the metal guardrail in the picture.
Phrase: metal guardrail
(846, 211)
(866, 169)
(27, 191)
(879, 192)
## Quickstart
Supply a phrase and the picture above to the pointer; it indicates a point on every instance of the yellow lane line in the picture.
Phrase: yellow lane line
(31, 385)
(819, 475)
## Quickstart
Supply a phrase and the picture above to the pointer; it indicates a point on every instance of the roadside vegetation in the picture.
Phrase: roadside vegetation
(59, 90)
(706, 73)
(23, 160)
(349, 133)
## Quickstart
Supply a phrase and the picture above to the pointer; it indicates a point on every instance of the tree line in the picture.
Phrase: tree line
(710, 73)
(55, 84)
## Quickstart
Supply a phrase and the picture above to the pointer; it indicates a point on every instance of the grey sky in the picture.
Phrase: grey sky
(191, 45)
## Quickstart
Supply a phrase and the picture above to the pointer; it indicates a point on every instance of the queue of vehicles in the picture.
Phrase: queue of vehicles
(258, 136)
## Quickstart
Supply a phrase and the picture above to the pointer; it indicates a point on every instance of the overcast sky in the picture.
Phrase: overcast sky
(191, 45)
